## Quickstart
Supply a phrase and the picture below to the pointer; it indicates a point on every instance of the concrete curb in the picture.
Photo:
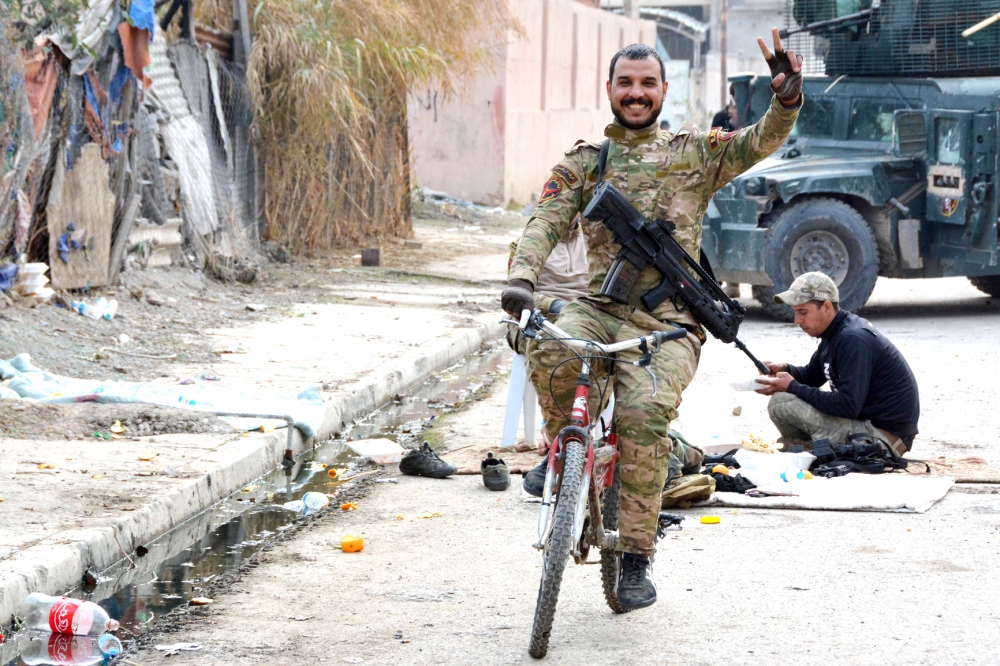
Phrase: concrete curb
(58, 563)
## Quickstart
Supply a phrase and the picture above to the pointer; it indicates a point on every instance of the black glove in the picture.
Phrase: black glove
(791, 87)
(517, 297)
(557, 306)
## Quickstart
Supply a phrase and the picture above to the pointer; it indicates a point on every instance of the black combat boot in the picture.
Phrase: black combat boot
(635, 587)
(534, 481)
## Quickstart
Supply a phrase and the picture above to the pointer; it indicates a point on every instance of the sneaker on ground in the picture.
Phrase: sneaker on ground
(534, 481)
(496, 474)
(425, 462)
(635, 587)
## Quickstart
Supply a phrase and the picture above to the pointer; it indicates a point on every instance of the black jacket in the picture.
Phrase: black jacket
(869, 378)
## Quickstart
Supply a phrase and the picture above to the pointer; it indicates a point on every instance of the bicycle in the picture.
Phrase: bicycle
(580, 500)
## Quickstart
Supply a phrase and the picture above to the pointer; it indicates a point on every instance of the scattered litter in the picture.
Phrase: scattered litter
(737, 410)
(256, 307)
(46, 466)
(349, 506)
(710, 520)
(101, 309)
(101, 435)
(177, 647)
(7, 275)
(124, 339)
(352, 544)
(117, 428)
(97, 476)
(386, 481)
(200, 601)
(436, 514)
(28, 381)
(210, 378)
(62, 615)
(228, 350)
(399, 516)
(381, 451)
(146, 455)
(300, 618)
(310, 503)
(398, 634)
(31, 281)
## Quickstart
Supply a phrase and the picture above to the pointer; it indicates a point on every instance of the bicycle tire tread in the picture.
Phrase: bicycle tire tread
(560, 540)
(609, 559)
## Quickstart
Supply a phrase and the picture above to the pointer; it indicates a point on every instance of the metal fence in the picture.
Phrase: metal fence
(895, 37)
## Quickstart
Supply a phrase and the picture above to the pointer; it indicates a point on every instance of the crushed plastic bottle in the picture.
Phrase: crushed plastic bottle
(67, 649)
(62, 615)
(101, 309)
(310, 503)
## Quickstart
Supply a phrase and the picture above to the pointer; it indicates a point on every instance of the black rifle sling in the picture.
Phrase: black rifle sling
(602, 161)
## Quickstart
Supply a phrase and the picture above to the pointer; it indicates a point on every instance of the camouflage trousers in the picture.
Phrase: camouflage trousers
(797, 419)
(648, 454)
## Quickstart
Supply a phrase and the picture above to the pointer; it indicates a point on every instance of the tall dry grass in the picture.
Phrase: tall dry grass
(329, 79)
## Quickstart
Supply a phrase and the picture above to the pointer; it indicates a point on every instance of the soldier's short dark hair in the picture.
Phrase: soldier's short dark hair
(637, 52)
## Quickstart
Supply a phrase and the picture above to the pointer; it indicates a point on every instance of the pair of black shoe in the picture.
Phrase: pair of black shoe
(635, 587)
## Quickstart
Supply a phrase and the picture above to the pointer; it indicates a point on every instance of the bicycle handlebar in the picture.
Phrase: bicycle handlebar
(533, 322)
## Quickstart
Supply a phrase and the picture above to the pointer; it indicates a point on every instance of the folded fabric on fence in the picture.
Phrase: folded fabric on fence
(897, 492)
(32, 383)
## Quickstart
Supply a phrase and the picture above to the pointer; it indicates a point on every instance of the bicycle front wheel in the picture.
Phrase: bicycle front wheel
(557, 549)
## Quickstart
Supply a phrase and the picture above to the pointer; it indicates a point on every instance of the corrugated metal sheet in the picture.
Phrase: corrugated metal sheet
(166, 88)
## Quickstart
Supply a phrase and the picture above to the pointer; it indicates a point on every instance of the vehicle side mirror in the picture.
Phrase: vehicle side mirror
(909, 134)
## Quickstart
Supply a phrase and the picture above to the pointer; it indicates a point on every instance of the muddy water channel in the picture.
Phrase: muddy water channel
(181, 564)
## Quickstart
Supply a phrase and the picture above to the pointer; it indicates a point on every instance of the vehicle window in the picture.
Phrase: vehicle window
(948, 141)
(871, 119)
(815, 119)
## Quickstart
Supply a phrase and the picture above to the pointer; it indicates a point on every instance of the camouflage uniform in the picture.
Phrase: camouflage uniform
(664, 175)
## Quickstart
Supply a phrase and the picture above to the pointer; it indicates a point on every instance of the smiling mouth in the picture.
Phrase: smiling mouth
(637, 106)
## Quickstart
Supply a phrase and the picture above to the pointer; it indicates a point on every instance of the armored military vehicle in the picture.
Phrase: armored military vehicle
(891, 169)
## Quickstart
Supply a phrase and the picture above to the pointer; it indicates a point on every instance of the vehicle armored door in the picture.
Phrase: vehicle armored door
(948, 170)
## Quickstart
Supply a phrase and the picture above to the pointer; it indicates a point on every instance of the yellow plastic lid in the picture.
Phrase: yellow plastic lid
(710, 520)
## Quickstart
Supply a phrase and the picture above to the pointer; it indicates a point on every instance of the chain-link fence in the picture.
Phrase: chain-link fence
(895, 37)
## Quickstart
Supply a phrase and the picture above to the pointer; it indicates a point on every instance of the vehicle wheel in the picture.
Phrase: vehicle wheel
(557, 549)
(989, 284)
(611, 503)
(819, 234)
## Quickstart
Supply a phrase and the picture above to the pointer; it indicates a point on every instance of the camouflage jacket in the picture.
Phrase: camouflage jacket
(665, 176)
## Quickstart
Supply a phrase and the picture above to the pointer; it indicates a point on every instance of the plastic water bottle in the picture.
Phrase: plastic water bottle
(62, 615)
(110, 310)
(66, 649)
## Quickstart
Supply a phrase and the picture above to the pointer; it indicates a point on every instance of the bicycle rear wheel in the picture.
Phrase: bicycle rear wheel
(557, 549)
(611, 502)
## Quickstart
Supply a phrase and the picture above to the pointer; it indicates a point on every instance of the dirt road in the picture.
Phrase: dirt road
(762, 587)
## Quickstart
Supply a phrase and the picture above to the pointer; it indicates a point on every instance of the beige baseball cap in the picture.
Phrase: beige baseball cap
(807, 287)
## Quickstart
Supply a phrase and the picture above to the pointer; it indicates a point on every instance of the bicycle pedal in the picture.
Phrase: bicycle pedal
(666, 521)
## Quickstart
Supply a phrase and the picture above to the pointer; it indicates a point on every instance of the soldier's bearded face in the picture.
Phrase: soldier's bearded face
(636, 93)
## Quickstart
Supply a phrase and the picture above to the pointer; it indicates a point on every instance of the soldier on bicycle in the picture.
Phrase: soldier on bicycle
(665, 175)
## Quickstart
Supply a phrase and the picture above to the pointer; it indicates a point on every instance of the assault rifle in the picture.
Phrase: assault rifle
(644, 244)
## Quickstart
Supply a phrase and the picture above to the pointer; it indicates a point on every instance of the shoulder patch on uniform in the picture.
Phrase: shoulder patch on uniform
(566, 174)
(716, 137)
(551, 190)
(581, 144)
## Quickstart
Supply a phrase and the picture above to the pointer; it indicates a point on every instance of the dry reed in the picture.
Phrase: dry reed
(329, 80)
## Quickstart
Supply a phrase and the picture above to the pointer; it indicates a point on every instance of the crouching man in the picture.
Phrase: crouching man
(872, 389)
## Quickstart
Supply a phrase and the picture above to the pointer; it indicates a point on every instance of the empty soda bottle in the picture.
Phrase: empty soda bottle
(62, 615)
(67, 649)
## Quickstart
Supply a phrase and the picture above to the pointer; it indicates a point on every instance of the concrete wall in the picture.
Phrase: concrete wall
(457, 142)
(495, 140)
(559, 74)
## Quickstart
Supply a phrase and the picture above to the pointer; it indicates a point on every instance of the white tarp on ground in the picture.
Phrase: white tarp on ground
(31, 383)
(897, 492)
